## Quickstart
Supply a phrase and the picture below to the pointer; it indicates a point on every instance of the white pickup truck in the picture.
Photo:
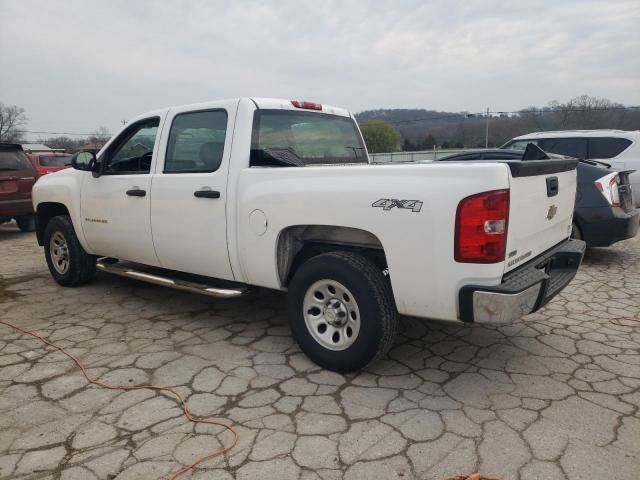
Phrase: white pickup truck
(220, 196)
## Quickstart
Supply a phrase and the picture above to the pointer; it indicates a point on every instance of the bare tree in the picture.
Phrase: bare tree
(68, 144)
(587, 112)
(101, 135)
(12, 119)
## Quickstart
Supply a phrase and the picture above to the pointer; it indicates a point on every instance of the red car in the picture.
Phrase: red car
(49, 162)
(17, 176)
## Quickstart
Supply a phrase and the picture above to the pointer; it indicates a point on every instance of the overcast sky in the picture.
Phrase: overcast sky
(77, 65)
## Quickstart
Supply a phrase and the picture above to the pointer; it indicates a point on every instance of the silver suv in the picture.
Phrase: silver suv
(618, 148)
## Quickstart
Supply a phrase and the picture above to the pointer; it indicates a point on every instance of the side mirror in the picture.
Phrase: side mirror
(86, 161)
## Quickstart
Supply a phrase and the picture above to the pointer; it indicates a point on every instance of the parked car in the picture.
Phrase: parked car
(17, 176)
(280, 194)
(49, 162)
(618, 148)
(604, 212)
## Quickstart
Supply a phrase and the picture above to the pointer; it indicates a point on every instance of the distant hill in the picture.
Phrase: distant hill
(417, 123)
(420, 128)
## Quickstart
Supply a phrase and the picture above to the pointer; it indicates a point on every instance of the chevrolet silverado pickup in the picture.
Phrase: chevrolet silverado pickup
(220, 197)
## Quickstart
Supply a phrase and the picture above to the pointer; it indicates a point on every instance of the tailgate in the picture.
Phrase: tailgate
(542, 200)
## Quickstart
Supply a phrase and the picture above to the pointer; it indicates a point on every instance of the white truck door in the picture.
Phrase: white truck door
(115, 207)
(189, 190)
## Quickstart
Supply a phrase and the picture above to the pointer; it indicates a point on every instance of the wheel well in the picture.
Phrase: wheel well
(45, 212)
(299, 243)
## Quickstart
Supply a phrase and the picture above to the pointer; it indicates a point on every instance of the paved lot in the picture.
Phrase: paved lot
(550, 397)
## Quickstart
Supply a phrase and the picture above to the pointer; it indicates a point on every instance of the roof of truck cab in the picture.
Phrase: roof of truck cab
(283, 104)
(260, 102)
(582, 133)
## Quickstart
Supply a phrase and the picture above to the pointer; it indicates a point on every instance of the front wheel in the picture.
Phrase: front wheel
(342, 311)
(68, 262)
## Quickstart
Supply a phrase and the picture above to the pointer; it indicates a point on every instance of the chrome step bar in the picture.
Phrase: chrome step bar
(126, 269)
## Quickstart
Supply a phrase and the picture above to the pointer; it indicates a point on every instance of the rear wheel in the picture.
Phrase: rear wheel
(27, 223)
(575, 232)
(68, 262)
(342, 311)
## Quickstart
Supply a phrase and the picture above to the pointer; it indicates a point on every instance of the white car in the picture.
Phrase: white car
(618, 148)
(219, 196)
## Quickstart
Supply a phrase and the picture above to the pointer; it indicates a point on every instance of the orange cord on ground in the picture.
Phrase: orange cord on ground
(187, 414)
(472, 476)
(220, 451)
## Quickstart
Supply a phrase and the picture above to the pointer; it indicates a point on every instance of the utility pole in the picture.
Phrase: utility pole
(486, 131)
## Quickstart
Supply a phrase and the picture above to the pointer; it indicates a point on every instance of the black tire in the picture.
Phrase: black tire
(374, 300)
(26, 224)
(80, 267)
(576, 233)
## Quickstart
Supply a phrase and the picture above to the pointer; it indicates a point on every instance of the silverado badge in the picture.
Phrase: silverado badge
(552, 212)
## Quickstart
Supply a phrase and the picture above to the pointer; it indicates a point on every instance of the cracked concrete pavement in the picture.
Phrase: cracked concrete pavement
(553, 396)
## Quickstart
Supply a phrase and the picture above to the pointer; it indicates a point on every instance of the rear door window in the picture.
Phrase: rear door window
(572, 147)
(196, 142)
(607, 147)
(14, 160)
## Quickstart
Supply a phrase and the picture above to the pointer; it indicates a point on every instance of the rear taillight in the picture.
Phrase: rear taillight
(481, 227)
(608, 186)
(42, 171)
(306, 105)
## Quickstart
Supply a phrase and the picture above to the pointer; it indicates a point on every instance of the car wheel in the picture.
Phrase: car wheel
(575, 232)
(68, 262)
(26, 224)
(341, 311)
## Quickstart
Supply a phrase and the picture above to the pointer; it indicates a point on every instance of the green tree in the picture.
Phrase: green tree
(407, 146)
(380, 136)
(427, 143)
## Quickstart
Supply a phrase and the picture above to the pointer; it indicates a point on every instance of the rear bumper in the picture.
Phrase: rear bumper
(15, 208)
(525, 289)
(602, 227)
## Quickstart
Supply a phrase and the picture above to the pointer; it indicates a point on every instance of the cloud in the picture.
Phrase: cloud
(75, 65)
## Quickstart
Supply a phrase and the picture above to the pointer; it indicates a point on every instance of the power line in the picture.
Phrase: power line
(518, 112)
(400, 122)
(101, 134)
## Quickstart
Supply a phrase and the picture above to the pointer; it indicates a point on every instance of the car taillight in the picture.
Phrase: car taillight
(42, 171)
(306, 105)
(481, 227)
(608, 186)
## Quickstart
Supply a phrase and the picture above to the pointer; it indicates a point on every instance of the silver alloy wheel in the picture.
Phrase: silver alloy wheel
(331, 314)
(59, 252)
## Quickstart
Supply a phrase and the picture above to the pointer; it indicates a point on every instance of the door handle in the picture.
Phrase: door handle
(206, 194)
(552, 186)
(136, 192)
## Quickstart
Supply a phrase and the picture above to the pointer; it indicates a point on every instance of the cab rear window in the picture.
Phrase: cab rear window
(14, 160)
(291, 138)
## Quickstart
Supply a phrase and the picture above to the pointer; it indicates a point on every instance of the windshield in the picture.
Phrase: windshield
(55, 160)
(14, 160)
(290, 138)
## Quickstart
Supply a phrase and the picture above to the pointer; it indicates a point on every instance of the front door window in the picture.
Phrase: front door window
(133, 153)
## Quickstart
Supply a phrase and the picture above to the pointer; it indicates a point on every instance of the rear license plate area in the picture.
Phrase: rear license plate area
(8, 186)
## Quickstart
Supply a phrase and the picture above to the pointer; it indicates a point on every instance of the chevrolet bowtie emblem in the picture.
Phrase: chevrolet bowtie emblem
(552, 212)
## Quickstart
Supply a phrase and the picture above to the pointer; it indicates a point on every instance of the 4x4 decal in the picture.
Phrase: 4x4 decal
(388, 203)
